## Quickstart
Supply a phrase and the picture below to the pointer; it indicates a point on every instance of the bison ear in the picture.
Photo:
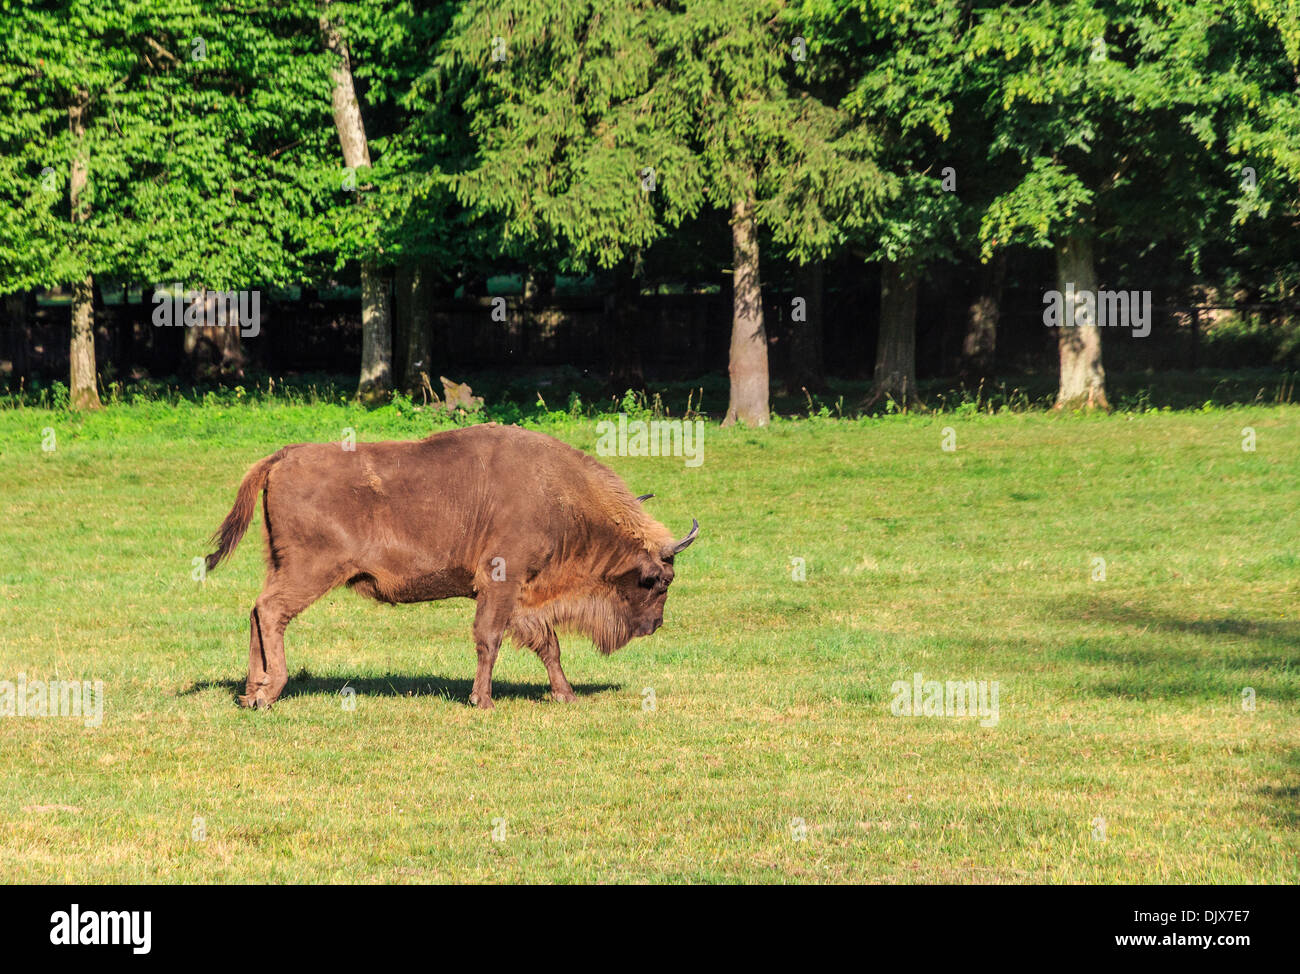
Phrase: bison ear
(644, 497)
(686, 541)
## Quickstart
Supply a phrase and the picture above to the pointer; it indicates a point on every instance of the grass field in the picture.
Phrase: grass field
(772, 754)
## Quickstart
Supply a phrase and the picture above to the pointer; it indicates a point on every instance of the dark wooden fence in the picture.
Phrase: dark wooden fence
(672, 336)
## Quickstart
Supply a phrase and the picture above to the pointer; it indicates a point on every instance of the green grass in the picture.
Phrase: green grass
(1120, 699)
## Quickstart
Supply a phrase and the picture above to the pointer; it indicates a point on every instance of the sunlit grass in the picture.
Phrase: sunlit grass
(1121, 700)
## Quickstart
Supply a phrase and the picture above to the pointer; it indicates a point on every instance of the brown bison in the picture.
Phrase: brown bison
(540, 535)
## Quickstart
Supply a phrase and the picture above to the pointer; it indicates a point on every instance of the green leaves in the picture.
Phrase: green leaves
(577, 133)
(1048, 196)
(572, 150)
(603, 126)
(205, 127)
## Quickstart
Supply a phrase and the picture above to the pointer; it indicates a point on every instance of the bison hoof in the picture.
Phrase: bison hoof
(254, 702)
(483, 703)
(564, 696)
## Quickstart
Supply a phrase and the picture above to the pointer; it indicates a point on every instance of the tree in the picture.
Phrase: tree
(1254, 242)
(406, 222)
(772, 151)
(192, 136)
(47, 85)
(376, 316)
(807, 362)
(1114, 116)
(83, 392)
(598, 128)
(898, 69)
(980, 338)
(748, 357)
(562, 158)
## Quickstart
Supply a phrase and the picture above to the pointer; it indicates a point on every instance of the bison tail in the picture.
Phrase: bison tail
(233, 527)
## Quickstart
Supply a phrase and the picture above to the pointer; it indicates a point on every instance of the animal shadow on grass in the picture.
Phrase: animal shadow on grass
(1211, 658)
(304, 684)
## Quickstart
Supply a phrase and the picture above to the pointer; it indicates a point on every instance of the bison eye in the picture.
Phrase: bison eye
(649, 581)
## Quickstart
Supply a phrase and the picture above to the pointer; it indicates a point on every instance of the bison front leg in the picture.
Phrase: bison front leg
(496, 602)
(549, 653)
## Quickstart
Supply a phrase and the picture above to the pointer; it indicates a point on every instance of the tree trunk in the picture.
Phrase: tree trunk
(979, 345)
(83, 392)
(414, 324)
(895, 375)
(1083, 381)
(539, 294)
(539, 286)
(376, 336)
(214, 351)
(749, 378)
(403, 284)
(376, 316)
(626, 370)
(475, 283)
(82, 389)
(17, 311)
(124, 334)
(807, 337)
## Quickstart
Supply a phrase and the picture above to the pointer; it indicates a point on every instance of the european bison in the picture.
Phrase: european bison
(542, 536)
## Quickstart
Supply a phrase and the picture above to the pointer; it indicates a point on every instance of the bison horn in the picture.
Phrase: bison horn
(645, 497)
(686, 541)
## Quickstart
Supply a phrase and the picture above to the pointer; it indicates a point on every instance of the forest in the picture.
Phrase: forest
(776, 194)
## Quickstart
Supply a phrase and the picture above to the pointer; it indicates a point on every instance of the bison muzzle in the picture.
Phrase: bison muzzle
(540, 535)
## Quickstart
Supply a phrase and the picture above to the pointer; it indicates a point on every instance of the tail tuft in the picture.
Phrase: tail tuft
(233, 527)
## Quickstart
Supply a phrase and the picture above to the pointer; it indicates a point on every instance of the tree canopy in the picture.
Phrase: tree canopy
(195, 142)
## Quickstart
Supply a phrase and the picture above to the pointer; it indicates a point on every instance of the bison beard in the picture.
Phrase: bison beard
(541, 536)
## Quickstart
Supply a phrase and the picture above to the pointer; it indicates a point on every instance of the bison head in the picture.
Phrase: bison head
(645, 588)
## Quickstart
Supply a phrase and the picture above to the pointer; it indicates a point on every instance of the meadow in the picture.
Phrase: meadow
(1146, 730)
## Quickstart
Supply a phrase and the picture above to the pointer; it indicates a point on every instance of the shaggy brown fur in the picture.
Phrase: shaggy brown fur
(543, 537)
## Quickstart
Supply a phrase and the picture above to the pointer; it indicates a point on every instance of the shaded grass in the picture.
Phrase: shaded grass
(1120, 699)
(532, 395)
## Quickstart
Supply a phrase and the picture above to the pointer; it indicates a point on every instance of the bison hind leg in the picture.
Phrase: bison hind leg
(286, 593)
